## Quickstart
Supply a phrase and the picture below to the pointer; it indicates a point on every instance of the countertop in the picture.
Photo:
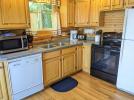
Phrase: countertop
(39, 49)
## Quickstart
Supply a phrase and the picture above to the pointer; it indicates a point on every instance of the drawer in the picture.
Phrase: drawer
(68, 50)
(50, 55)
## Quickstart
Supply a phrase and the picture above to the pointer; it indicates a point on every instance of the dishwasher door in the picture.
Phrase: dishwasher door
(25, 73)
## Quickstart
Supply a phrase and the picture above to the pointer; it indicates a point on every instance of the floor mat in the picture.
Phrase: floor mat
(65, 85)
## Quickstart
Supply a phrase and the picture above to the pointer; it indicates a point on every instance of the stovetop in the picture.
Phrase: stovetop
(112, 39)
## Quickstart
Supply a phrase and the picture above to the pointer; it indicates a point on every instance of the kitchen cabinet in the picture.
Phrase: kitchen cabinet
(68, 61)
(86, 58)
(67, 11)
(82, 11)
(117, 4)
(14, 14)
(129, 3)
(95, 12)
(51, 67)
(61, 63)
(3, 88)
(106, 5)
(79, 58)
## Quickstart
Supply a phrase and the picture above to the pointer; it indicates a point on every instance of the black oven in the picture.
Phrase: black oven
(12, 44)
(105, 58)
(105, 62)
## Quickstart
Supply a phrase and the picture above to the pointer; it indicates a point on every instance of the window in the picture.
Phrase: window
(41, 16)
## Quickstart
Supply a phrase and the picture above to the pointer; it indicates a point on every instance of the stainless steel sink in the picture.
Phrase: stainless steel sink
(62, 44)
(55, 45)
(48, 46)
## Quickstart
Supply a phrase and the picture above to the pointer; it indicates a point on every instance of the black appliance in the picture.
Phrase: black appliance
(105, 57)
(81, 36)
(10, 44)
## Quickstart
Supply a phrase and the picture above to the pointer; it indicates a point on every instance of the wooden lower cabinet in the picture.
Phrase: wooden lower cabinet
(3, 88)
(86, 58)
(52, 70)
(61, 63)
(51, 67)
(68, 64)
(79, 58)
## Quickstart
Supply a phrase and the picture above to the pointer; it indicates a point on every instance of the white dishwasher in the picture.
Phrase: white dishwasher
(25, 76)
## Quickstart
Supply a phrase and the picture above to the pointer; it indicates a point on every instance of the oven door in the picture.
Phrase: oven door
(10, 45)
(105, 59)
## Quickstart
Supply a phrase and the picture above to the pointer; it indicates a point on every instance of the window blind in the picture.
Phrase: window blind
(56, 3)
(53, 2)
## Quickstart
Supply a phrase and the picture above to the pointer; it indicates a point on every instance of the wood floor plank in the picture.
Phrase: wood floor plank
(89, 88)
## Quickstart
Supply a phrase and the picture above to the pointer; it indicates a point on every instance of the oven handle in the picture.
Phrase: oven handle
(115, 51)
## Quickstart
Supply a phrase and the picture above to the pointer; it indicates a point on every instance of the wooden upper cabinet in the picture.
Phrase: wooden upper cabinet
(14, 14)
(129, 3)
(106, 5)
(117, 4)
(95, 12)
(82, 12)
(67, 12)
(3, 88)
(71, 13)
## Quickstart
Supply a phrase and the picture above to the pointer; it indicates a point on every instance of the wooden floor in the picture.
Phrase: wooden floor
(89, 88)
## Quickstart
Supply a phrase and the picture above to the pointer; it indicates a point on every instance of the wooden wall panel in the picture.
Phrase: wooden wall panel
(113, 21)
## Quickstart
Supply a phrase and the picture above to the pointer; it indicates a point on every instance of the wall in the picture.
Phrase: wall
(113, 21)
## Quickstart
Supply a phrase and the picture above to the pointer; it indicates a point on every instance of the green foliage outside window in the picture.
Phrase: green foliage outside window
(44, 12)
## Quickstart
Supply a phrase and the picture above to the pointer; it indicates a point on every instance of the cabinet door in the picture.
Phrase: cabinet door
(129, 3)
(68, 64)
(95, 12)
(67, 12)
(79, 58)
(14, 14)
(52, 70)
(71, 13)
(82, 12)
(106, 5)
(63, 13)
(117, 4)
(86, 58)
(3, 89)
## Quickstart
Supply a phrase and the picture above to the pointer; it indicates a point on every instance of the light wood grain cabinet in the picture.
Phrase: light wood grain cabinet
(129, 3)
(68, 61)
(79, 58)
(51, 67)
(82, 11)
(67, 11)
(95, 12)
(86, 58)
(117, 4)
(106, 5)
(14, 14)
(3, 88)
(61, 63)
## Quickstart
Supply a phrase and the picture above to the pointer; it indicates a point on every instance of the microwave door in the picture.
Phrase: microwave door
(10, 45)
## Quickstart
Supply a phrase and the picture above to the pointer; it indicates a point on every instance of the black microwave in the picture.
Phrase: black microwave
(13, 44)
